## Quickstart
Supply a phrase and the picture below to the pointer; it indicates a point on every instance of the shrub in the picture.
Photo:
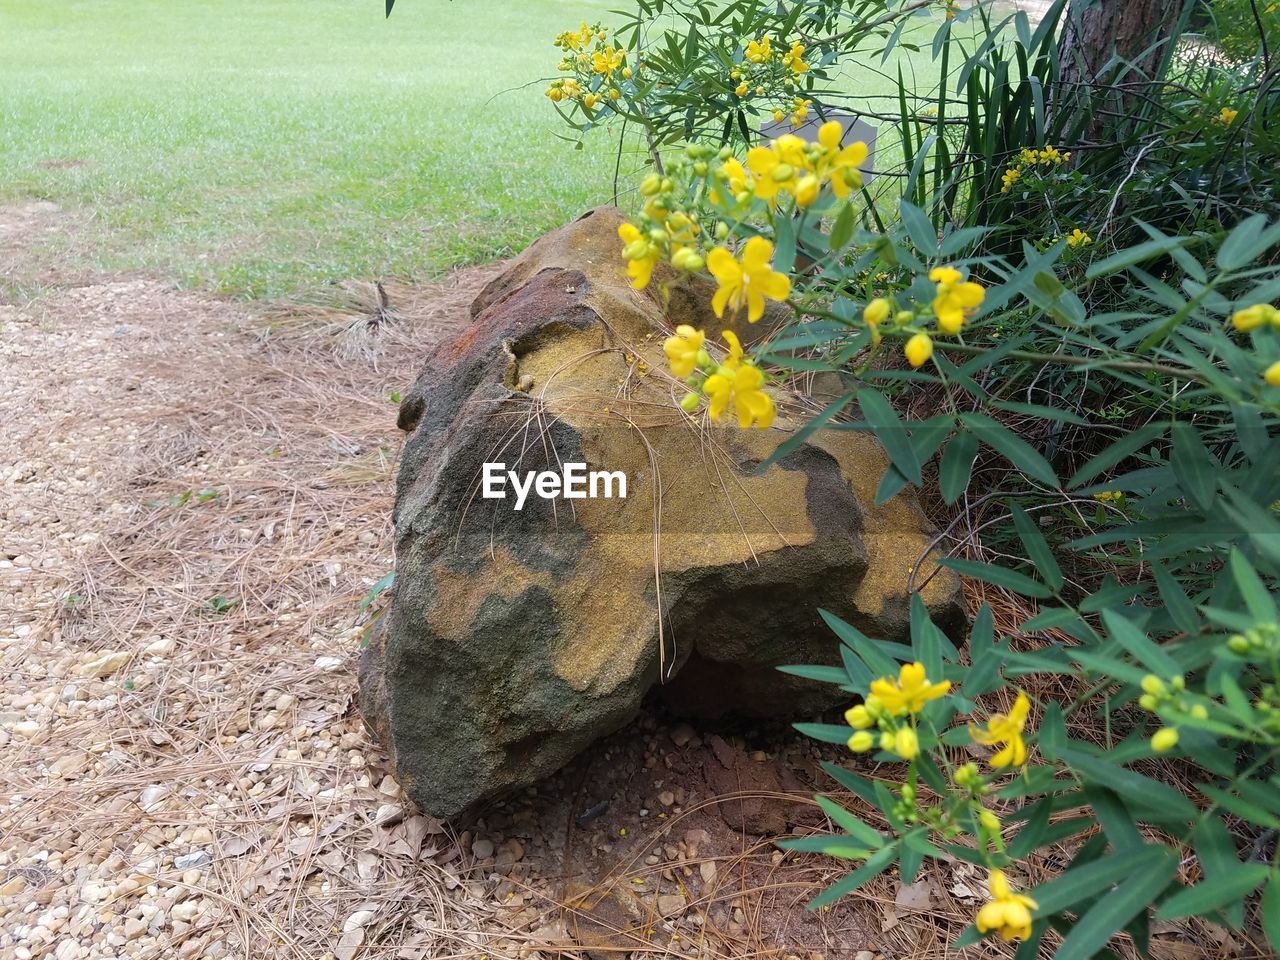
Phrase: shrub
(1091, 318)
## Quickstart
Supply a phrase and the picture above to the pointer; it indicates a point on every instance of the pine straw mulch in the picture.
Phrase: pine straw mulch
(194, 500)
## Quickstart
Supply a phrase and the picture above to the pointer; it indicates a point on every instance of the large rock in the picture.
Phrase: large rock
(516, 638)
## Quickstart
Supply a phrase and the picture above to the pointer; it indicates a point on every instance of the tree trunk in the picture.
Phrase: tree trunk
(1098, 32)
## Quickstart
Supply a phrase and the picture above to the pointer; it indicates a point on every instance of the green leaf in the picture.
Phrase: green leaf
(1247, 242)
(1101, 921)
(1143, 792)
(858, 786)
(891, 432)
(1181, 612)
(850, 823)
(1214, 894)
(1271, 911)
(1089, 880)
(826, 732)
(1125, 447)
(1013, 448)
(919, 229)
(821, 674)
(842, 229)
(957, 465)
(1195, 468)
(881, 664)
(1256, 596)
(833, 845)
(1037, 548)
(1145, 650)
(1240, 807)
(1000, 576)
(875, 866)
(1134, 255)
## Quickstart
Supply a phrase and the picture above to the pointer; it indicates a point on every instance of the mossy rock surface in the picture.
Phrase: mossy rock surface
(514, 639)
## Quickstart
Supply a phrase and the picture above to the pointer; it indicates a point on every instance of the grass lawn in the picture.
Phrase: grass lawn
(264, 148)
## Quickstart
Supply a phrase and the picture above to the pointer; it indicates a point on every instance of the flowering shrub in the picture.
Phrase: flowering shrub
(1083, 294)
(712, 72)
(1186, 636)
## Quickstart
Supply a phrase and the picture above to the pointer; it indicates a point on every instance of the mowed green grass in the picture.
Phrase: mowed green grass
(267, 147)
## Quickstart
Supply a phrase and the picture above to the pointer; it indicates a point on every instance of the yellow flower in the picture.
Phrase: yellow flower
(1250, 318)
(918, 350)
(1164, 740)
(840, 165)
(760, 51)
(682, 349)
(1108, 495)
(641, 255)
(955, 299)
(952, 8)
(1006, 728)
(773, 175)
(1272, 374)
(746, 283)
(1226, 117)
(607, 60)
(906, 744)
(910, 692)
(571, 89)
(738, 382)
(1011, 177)
(1050, 155)
(741, 89)
(1008, 913)
(862, 741)
(1078, 238)
(794, 58)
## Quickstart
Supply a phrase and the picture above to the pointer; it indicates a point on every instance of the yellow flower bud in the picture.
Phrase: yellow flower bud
(906, 744)
(650, 185)
(877, 311)
(859, 717)
(1178, 684)
(861, 742)
(626, 73)
(1272, 374)
(918, 350)
(760, 91)
(741, 89)
(904, 317)
(636, 250)
(886, 741)
(778, 116)
(1148, 702)
(968, 776)
(783, 172)
(1199, 712)
(807, 191)
(989, 820)
(686, 260)
(1238, 643)
(1154, 685)
(722, 230)
(1250, 318)
(1164, 740)
(691, 402)
(614, 93)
